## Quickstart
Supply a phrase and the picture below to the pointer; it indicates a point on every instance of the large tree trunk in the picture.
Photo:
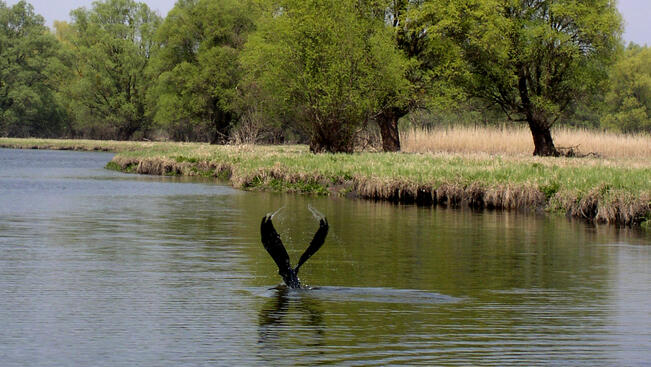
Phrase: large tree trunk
(540, 129)
(542, 139)
(388, 122)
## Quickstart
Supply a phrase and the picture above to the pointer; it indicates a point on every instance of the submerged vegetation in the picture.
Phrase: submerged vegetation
(605, 190)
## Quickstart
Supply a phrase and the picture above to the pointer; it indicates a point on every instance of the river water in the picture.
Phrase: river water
(108, 269)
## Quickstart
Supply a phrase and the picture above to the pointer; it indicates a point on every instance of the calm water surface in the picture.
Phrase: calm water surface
(107, 269)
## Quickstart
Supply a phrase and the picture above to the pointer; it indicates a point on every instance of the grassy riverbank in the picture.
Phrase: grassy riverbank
(605, 190)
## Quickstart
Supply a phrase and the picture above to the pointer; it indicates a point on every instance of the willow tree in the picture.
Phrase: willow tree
(531, 58)
(425, 85)
(628, 101)
(28, 56)
(111, 44)
(326, 66)
(196, 68)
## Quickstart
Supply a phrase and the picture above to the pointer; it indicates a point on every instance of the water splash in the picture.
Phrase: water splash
(315, 213)
(276, 212)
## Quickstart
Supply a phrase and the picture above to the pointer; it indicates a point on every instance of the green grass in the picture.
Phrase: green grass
(599, 189)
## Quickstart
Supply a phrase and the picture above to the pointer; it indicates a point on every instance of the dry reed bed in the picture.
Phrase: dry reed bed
(601, 190)
(514, 141)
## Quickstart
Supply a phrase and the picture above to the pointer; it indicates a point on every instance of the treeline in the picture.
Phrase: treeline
(318, 71)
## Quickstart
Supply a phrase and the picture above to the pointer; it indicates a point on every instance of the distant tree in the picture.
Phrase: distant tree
(196, 70)
(111, 45)
(532, 58)
(629, 98)
(28, 56)
(325, 65)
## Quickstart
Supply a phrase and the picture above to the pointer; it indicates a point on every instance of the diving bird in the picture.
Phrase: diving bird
(274, 246)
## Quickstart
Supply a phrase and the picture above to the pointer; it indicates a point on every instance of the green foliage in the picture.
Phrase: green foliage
(431, 57)
(629, 96)
(647, 223)
(318, 71)
(109, 49)
(324, 66)
(113, 166)
(28, 61)
(532, 58)
(130, 168)
(550, 189)
(196, 69)
(181, 159)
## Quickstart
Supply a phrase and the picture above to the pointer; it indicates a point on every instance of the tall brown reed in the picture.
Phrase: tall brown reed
(515, 141)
